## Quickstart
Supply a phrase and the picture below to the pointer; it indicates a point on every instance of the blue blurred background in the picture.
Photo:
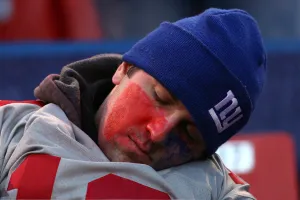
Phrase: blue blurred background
(39, 37)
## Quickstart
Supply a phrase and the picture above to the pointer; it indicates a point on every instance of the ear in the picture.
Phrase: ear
(120, 73)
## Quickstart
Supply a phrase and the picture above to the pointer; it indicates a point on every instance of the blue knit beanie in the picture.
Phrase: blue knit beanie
(215, 63)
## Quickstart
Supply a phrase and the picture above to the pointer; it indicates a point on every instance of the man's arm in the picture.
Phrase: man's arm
(13, 117)
(233, 187)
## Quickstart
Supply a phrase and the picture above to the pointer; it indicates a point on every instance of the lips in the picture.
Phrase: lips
(142, 148)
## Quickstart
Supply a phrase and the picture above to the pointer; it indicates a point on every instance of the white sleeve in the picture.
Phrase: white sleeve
(233, 187)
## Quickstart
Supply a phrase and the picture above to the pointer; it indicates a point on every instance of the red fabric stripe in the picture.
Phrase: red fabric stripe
(115, 187)
(36, 102)
(35, 176)
(236, 178)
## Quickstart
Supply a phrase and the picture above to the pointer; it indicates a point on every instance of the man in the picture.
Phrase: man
(152, 131)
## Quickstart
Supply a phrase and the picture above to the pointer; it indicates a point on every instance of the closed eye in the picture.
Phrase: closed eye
(188, 131)
(159, 99)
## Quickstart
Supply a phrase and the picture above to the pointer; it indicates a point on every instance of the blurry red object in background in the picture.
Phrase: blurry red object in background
(50, 20)
(267, 161)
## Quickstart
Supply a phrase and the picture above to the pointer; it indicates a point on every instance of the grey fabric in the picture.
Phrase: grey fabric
(29, 130)
(80, 89)
(53, 90)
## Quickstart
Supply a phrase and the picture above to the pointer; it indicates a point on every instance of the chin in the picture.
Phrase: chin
(122, 159)
(160, 166)
(118, 156)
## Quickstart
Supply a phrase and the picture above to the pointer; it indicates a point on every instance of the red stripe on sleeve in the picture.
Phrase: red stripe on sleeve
(115, 187)
(36, 102)
(35, 176)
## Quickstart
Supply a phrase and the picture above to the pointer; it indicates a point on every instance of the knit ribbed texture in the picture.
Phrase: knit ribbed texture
(201, 60)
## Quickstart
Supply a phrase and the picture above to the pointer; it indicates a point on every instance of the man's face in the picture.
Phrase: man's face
(141, 122)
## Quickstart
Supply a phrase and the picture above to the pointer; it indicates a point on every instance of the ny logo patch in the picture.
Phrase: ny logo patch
(226, 112)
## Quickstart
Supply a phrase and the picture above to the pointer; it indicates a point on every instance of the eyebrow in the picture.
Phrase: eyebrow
(132, 69)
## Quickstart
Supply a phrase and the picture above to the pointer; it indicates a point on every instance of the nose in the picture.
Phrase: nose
(160, 127)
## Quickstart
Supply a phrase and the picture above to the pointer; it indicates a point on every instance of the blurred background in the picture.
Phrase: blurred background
(39, 37)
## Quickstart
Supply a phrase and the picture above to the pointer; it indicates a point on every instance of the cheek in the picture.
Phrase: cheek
(133, 108)
(177, 149)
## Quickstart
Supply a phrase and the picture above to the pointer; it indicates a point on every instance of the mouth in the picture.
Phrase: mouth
(142, 154)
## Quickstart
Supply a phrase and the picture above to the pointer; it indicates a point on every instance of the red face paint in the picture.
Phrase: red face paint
(133, 111)
(132, 122)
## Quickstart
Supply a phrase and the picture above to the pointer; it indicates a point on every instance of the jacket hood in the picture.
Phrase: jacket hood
(80, 89)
